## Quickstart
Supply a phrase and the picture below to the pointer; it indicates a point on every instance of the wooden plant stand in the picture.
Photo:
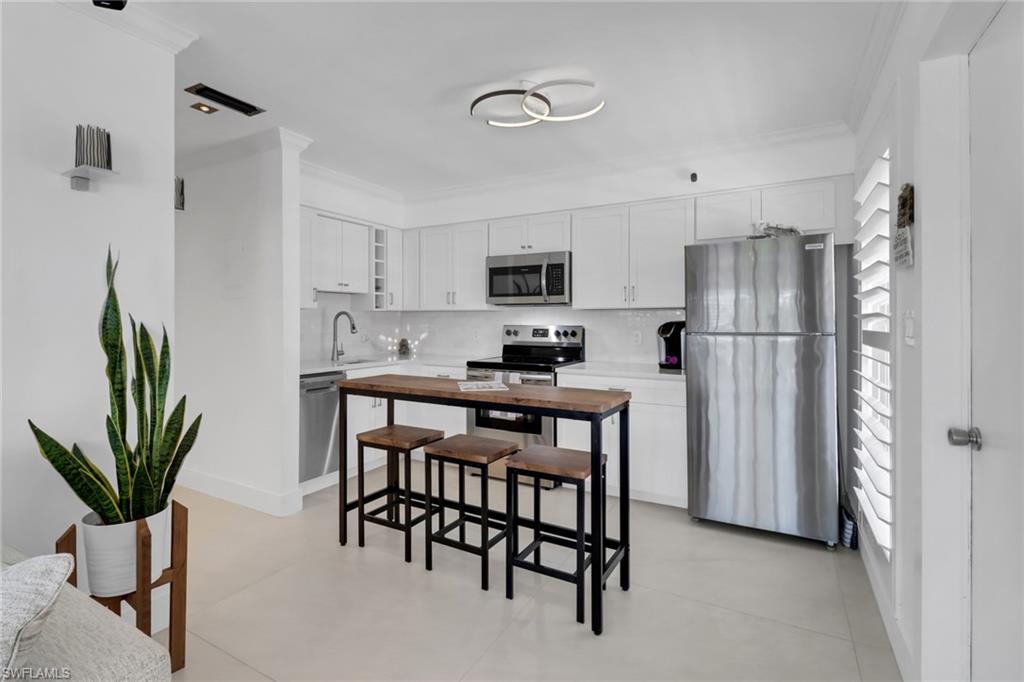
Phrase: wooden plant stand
(141, 599)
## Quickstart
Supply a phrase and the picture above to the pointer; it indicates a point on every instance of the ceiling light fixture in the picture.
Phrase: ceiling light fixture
(205, 108)
(533, 92)
(515, 122)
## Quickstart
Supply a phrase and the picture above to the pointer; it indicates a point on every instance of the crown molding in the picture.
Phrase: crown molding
(339, 178)
(876, 51)
(232, 150)
(833, 130)
(140, 23)
(293, 141)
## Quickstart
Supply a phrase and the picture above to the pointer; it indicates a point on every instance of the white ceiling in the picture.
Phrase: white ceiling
(384, 89)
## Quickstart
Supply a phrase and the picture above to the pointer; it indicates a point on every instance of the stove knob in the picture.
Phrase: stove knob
(508, 332)
(558, 333)
(515, 332)
(573, 333)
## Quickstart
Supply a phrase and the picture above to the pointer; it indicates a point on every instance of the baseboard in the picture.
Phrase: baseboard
(326, 481)
(901, 652)
(276, 504)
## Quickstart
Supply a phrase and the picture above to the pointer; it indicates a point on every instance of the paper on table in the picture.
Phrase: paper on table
(482, 386)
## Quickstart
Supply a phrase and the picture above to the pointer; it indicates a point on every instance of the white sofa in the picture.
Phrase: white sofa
(91, 643)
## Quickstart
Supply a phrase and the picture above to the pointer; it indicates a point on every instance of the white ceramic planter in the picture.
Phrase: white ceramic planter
(110, 552)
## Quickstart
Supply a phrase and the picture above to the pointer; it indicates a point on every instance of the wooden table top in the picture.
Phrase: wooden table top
(551, 397)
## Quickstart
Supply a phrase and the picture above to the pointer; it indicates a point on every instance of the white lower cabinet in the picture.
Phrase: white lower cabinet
(451, 420)
(364, 414)
(657, 437)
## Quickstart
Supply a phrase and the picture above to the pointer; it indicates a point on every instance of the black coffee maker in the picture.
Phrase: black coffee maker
(670, 345)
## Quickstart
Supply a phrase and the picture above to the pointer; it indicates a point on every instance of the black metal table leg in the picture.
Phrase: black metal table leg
(536, 517)
(342, 467)
(361, 494)
(581, 565)
(440, 493)
(462, 501)
(428, 510)
(624, 496)
(511, 529)
(408, 506)
(485, 533)
(596, 532)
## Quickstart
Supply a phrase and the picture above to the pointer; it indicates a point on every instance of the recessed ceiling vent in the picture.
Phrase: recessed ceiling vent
(224, 99)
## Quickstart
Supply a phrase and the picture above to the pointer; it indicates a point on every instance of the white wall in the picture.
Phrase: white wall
(915, 109)
(329, 190)
(811, 154)
(237, 302)
(61, 68)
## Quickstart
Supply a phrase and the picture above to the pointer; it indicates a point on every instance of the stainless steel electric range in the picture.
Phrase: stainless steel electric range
(530, 354)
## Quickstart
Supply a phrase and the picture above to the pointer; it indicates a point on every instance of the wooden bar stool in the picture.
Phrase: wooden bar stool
(395, 439)
(571, 467)
(465, 451)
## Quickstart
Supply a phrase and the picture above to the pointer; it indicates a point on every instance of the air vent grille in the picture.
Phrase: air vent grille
(224, 99)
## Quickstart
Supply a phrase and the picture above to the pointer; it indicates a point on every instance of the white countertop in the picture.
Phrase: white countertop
(629, 370)
(352, 362)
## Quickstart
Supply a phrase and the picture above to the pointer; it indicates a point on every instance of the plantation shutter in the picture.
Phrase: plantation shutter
(872, 374)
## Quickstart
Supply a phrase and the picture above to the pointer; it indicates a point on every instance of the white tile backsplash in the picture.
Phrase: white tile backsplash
(611, 334)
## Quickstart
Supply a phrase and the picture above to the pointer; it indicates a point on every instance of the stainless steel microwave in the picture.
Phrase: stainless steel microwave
(530, 279)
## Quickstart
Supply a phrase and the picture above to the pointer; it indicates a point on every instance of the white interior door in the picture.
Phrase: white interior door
(996, 76)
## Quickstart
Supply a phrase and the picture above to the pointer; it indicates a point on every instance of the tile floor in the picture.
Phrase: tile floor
(278, 598)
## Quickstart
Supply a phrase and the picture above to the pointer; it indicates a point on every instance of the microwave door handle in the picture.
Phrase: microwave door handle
(544, 280)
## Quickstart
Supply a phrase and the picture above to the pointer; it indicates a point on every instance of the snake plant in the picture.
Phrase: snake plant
(147, 470)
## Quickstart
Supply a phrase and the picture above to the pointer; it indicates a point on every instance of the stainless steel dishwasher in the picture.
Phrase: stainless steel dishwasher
(318, 425)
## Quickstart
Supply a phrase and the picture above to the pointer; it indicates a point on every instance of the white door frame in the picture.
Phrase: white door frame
(943, 252)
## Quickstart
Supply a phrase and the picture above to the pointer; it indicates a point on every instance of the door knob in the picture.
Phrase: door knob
(970, 437)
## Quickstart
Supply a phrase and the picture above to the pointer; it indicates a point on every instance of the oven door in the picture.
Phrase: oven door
(523, 429)
(534, 279)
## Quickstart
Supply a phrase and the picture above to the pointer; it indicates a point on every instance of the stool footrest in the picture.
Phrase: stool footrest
(397, 525)
(522, 560)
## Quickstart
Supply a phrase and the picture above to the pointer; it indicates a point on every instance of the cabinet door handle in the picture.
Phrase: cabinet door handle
(529, 246)
(447, 298)
(616, 388)
(391, 298)
(522, 246)
(444, 376)
(634, 293)
(453, 298)
(624, 299)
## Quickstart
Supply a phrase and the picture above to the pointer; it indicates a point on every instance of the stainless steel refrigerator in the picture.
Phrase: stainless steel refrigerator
(761, 384)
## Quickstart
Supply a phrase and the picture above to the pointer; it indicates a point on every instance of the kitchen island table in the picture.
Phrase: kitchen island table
(589, 405)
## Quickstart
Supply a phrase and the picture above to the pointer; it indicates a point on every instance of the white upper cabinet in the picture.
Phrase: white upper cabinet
(658, 234)
(395, 269)
(469, 274)
(435, 268)
(453, 267)
(355, 258)
(340, 255)
(808, 206)
(549, 232)
(410, 269)
(600, 258)
(507, 237)
(727, 216)
(530, 234)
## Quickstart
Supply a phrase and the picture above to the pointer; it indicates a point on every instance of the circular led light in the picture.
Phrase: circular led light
(533, 92)
(516, 122)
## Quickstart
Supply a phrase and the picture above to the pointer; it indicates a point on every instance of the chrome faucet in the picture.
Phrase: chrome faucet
(337, 350)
